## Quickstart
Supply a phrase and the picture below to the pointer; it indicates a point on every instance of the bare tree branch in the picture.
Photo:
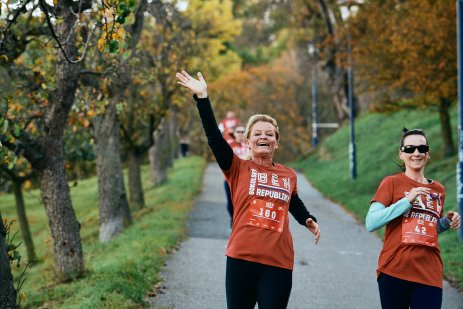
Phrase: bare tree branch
(44, 7)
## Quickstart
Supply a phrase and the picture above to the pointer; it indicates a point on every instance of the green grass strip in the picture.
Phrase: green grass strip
(122, 272)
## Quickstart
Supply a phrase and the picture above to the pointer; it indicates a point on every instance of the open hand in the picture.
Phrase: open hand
(455, 219)
(197, 86)
(314, 228)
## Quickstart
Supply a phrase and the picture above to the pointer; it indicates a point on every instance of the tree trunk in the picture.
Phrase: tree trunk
(114, 207)
(111, 188)
(175, 147)
(446, 129)
(23, 222)
(167, 145)
(124, 201)
(336, 75)
(7, 290)
(64, 227)
(159, 154)
(136, 196)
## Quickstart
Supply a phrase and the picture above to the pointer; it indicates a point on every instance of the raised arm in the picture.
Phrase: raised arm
(220, 148)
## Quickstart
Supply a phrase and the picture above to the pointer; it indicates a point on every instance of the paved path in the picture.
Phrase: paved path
(337, 273)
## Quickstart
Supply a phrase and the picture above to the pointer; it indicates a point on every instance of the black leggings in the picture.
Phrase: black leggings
(249, 282)
(396, 293)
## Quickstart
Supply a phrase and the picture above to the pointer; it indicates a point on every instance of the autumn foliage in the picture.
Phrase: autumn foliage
(267, 89)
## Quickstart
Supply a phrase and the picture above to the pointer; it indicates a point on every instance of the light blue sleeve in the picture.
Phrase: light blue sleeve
(380, 215)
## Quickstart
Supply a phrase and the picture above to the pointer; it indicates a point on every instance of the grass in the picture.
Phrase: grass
(122, 272)
(377, 140)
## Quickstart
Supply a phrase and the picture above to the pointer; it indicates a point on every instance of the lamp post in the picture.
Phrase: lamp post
(349, 8)
(313, 53)
(460, 109)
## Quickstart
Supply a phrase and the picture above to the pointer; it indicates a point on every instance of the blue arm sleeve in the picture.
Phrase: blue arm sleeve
(380, 215)
(444, 225)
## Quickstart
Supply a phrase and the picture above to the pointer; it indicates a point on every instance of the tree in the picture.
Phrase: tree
(165, 44)
(406, 54)
(46, 154)
(215, 28)
(17, 179)
(7, 290)
(67, 23)
(269, 89)
(265, 31)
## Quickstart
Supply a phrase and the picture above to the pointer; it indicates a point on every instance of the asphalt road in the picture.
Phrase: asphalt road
(339, 272)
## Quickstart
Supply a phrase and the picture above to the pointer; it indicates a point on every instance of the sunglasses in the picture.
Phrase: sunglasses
(412, 148)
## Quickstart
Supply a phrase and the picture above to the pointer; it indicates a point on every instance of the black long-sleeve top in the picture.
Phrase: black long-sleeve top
(224, 155)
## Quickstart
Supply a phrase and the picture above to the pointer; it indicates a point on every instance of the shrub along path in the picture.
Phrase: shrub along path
(337, 273)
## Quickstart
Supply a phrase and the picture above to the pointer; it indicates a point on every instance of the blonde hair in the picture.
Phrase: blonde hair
(264, 118)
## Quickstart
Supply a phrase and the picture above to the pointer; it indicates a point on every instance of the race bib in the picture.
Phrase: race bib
(420, 228)
(267, 215)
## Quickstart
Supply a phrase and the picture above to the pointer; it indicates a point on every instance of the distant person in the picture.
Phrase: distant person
(238, 143)
(260, 256)
(411, 206)
(241, 149)
(185, 145)
(228, 124)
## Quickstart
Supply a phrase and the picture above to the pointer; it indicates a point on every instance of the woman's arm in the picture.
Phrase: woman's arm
(299, 211)
(380, 215)
(220, 148)
(443, 225)
(303, 216)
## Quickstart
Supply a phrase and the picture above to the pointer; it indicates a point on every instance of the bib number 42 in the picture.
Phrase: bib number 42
(421, 231)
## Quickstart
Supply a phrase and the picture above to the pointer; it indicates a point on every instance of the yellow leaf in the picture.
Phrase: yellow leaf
(27, 185)
(120, 33)
(101, 42)
(22, 295)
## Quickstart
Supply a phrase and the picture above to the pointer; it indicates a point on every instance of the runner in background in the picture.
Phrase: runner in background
(227, 125)
(260, 255)
(241, 149)
(410, 271)
(185, 145)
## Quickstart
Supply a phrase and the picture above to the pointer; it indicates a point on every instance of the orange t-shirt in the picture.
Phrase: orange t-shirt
(261, 197)
(399, 258)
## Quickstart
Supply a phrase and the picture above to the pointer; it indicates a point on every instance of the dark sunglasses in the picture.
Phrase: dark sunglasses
(412, 148)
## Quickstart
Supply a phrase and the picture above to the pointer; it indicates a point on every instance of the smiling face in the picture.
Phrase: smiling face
(415, 161)
(262, 139)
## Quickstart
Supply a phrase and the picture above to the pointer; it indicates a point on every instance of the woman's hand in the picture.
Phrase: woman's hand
(314, 228)
(415, 192)
(455, 219)
(197, 86)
